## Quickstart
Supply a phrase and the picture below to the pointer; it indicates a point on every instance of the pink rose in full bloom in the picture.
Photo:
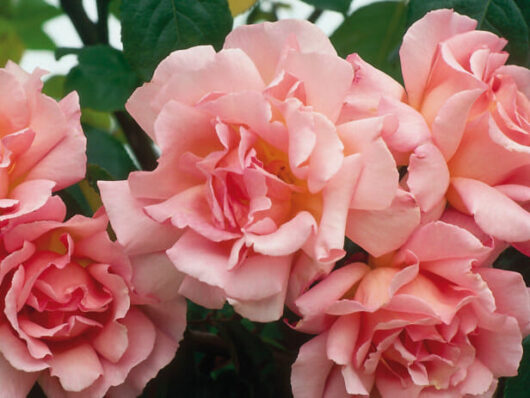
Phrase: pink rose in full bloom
(42, 146)
(427, 320)
(476, 113)
(77, 316)
(256, 168)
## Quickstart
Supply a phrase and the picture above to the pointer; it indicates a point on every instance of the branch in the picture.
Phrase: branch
(103, 21)
(139, 141)
(317, 12)
(86, 29)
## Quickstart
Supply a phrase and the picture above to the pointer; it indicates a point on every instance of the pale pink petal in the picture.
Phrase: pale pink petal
(420, 44)
(439, 241)
(511, 295)
(311, 369)
(15, 351)
(450, 122)
(342, 338)
(135, 230)
(495, 213)
(381, 231)
(478, 379)
(77, 368)
(520, 74)
(326, 79)
(269, 309)
(287, 239)
(201, 293)
(335, 386)
(498, 344)
(329, 241)
(378, 165)
(357, 382)
(201, 258)
(412, 129)
(332, 288)
(271, 271)
(112, 341)
(15, 383)
(264, 43)
(368, 86)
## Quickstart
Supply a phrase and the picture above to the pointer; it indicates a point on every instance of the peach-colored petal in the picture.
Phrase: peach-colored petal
(201, 293)
(311, 369)
(420, 44)
(511, 295)
(332, 288)
(130, 222)
(449, 124)
(428, 176)
(495, 213)
(265, 43)
(381, 231)
(15, 383)
(77, 368)
(326, 80)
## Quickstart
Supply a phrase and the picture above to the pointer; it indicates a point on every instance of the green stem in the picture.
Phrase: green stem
(139, 141)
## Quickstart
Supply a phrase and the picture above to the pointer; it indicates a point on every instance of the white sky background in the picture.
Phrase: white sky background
(62, 32)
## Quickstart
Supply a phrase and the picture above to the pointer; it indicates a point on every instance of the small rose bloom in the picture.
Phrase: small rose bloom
(77, 316)
(42, 146)
(427, 320)
(255, 167)
(476, 113)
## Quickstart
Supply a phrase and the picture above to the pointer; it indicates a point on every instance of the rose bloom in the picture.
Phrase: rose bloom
(476, 124)
(77, 316)
(428, 320)
(255, 168)
(42, 146)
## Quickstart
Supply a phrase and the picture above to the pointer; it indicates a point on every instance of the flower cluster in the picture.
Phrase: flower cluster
(274, 149)
(272, 152)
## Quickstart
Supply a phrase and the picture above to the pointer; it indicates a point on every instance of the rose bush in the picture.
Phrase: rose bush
(256, 168)
(427, 320)
(77, 316)
(42, 145)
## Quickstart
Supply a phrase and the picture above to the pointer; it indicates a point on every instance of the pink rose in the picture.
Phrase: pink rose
(477, 119)
(255, 168)
(42, 146)
(424, 321)
(77, 317)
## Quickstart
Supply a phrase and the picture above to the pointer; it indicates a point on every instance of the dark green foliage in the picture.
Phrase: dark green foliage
(151, 29)
(108, 153)
(374, 32)
(103, 78)
(335, 5)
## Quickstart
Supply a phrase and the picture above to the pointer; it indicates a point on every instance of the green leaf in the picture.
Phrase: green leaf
(374, 32)
(335, 5)
(75, 201)
(28, 17)
(517, 387)
(103, 79)
(151, 29)
(54, 86)
(11, 45)
(502, 17)
(114, 8)
(108, 153)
